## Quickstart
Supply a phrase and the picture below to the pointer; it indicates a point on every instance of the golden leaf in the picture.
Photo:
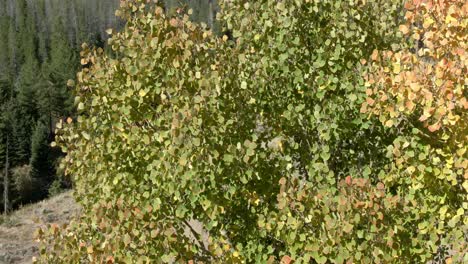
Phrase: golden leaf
(415, 87)
(404, 29)
(434, 127)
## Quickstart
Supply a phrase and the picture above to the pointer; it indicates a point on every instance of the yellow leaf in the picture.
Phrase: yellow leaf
(396, 68)
(427, 22)
(70, 83)
(173, 22)
(142, 93)
(90, 250)
(404, 29)
(424, 117)
(363, 109)
(244, 85)
(450, 20)
(389, 123)
(409, 105)
(415, 87)
(434, 127)
(375, 55)
(465, 185)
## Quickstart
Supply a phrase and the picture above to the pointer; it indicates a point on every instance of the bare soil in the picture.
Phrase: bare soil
(17, 244)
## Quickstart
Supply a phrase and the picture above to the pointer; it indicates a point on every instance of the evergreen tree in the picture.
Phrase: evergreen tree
(42, 31)
(54, 99)
(12, 45)
(4, 54)
(6, 151)
(4, 96)
(25, 107)
(42, 169)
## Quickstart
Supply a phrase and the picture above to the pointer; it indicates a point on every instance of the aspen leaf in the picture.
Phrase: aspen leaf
(434, 127)
(286, 259)
(142, 93)
(404, 29)
(415, 87)
(389, 123)
(375, 54)
(244, 85)
(80, 106)
(396, 68)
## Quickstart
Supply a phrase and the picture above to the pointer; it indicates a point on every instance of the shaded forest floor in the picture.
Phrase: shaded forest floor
(17, 230)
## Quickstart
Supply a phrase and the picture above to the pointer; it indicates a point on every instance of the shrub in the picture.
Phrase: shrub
(23, 183)
(260, 139)
(56, 188)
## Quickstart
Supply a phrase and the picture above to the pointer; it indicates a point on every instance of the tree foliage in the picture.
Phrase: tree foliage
(270, 140)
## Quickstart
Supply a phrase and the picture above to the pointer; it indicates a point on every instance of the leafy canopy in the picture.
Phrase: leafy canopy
(196, 148)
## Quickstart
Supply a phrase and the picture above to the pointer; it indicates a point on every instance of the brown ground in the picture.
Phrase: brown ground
(17, 245)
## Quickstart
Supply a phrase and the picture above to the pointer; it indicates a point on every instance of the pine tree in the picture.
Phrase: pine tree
(6, 95)
(42, 169)
(12, 44)
(25, 108)
(4, 54)
(42, 31)
(54, 99)
(6, 178)
(5, 150)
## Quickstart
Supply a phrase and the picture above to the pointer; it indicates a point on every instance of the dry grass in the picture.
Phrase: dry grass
(17, 230)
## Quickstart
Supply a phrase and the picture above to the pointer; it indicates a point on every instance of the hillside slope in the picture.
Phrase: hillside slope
(17, 243)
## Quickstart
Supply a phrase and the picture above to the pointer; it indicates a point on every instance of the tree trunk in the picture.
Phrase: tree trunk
(6, 179)
(210, 14)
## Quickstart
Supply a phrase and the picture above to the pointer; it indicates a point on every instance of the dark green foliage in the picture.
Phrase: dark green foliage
(56, 187)
(41, 164)
(24, 184)
(39, 42)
